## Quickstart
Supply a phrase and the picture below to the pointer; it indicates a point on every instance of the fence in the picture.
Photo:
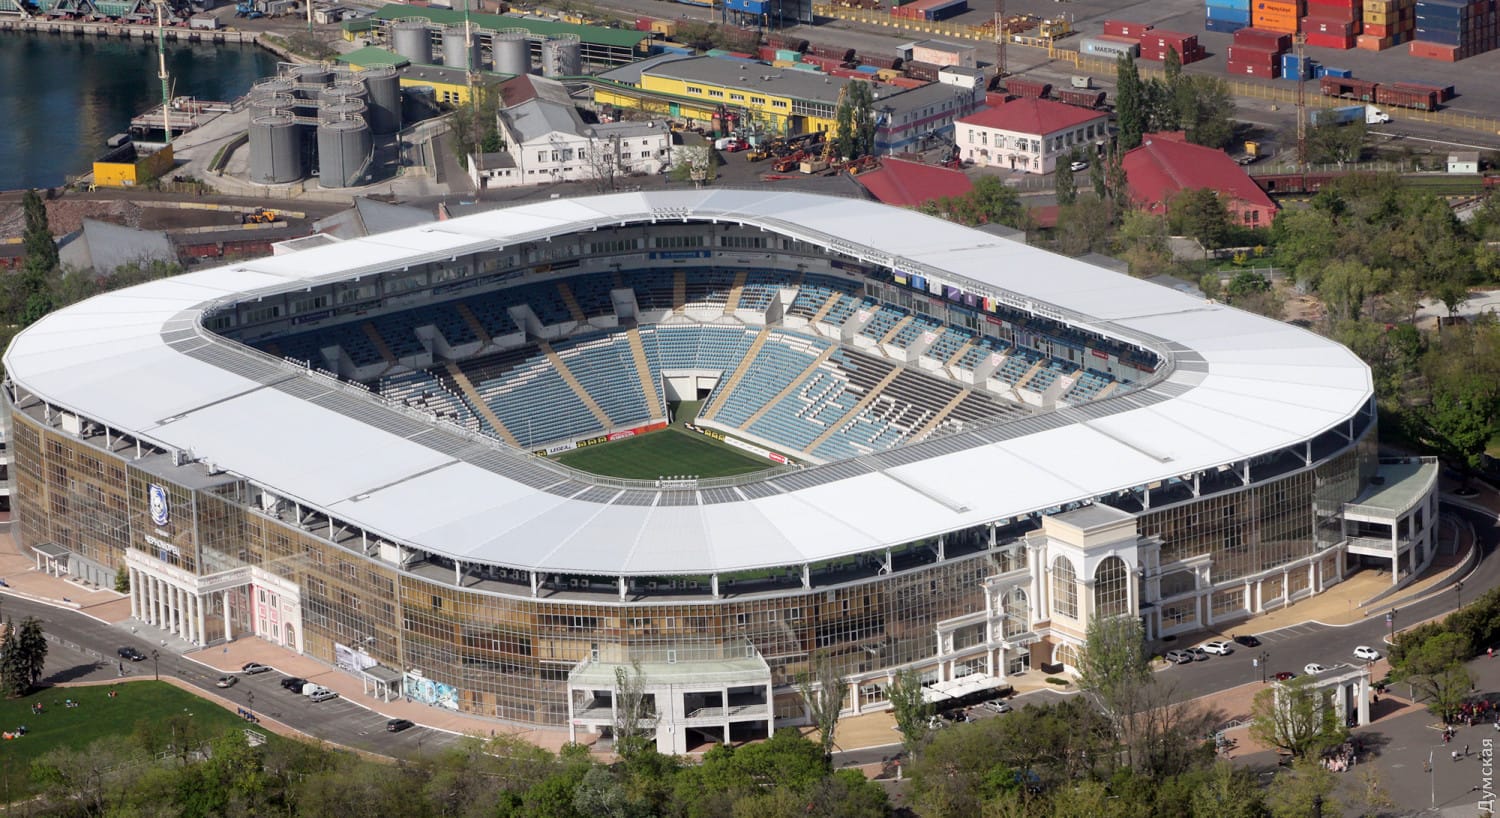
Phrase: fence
(884, 20)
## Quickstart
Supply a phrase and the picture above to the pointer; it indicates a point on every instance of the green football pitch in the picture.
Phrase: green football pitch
(666, 453)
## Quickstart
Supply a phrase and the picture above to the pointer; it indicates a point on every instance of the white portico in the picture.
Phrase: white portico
(200, 609)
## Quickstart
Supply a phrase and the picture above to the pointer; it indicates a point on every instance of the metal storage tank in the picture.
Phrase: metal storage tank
(562, 56)
(344, 150)
(419, 102)
(341, 109)
(312, 78)
(383, 90)
(272, 86)
(411, 40)
(512, 51)
(350, 89)
(461, 48)
(275, 150)
(272, 104)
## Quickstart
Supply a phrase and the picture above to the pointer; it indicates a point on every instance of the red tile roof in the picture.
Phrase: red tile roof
(909, 184)
(1165, 164)
(1032, 116)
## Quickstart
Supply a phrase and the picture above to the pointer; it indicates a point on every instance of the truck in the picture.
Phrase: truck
(1369, 114)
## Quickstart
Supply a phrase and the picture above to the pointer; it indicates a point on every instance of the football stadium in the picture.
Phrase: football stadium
(713, 435)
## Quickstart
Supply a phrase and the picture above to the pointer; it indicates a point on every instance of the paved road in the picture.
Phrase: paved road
(340, 721)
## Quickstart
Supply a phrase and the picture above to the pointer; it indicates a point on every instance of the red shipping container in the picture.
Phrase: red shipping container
(1265, 72)
(1375, 30)
(1159, 39)
(1246, 54)
(1119, 38)
(1341, 13)
(643, 24)
(1124, 28)
(1260, 38)
(1316, 7)
(767, 53)
(1341, 42)
(1323, 25)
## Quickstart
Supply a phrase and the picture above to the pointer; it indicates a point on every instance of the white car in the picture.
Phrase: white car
(1366, 653)
(1077, 166)
(1313, 669)
(1218, 648)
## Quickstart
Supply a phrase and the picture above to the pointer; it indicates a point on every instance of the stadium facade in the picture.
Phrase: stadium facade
(978, 447)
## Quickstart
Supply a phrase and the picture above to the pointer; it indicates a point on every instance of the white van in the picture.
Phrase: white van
(311, 688)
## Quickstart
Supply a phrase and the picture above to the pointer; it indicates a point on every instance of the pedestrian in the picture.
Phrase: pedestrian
(1491, 652)
(1466, 751)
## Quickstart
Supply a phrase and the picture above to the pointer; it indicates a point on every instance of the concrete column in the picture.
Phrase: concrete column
(228, 634)
(1208, 607)
(1286, 588)
(534, 582)
(158, 602)
(1364, 700)
(624, 586)
(713, 583)
(806, 575)
(174, 610)
(135, 600)
(1250, 606)
(187, 617)
(199, 630)
(458, 573)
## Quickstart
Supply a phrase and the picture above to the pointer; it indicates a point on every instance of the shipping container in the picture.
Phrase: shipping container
(1112, 47)
(643, 24)
(1081, 98)
(1276, 41)
(1265, 72)
(1369, 42)
(1027, 89)
(1292, 68)
(1444, 92)
(1247, 54)
(1334, 28)
(1159, 38)
(1240, 5)
(922, 71)
(1241, 16)
(1125, 28)
(1222, 26)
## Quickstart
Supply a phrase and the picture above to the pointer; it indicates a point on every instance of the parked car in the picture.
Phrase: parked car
(253, 668)
(132, 654)
(1199, 654)
(1247, 641)
(1313, 669)
(1218, 648)
(227, 681)
(1366, 653)
(1077, 166)
(1179, 657)
(1284, 676)
(323, 695)
(997, 706)
(397, 725)
(294, 683)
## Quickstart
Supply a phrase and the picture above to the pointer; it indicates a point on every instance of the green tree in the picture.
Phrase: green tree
(1297, 718)
(694, 163)
(1435, 669)
(1460, 418)
(1200, 214)
(1114, 670)
(1205, 110)
(1347, 286)
(632, 737)
(1228, 792)
(23, 656)
(854, 128)
(824, 691)
(1067, 189)
(911, 710)
(1130, 115)
(1305, 791)
(1141, 242)
(33, 288)
(1083, 227)
(1116, 181)
(1332, 144)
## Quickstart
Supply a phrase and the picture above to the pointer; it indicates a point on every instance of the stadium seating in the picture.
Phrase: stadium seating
(422, 390)
(845, 307)
(947, 344)
(983, 348)
(534, 402)
(544, 300)
(882, 322)
(810, 299)
(914, 329)
(592, 293)
(492, 311)
(709, 287)
(653, 288)
(1048, 375)
(605, 368)
(781, 359)
(307, 346)
(760, 289)
(1088, 387)
(1017, 364)
(819, 401)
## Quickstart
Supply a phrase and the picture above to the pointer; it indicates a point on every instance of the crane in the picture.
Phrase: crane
(161, 73)
(829, 139)
(1299, 45)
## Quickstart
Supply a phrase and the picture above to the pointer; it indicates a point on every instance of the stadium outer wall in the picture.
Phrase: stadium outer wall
(509, 657)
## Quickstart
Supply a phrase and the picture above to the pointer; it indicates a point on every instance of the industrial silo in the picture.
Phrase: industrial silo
(383, 89)
(275, 150)
(272, 104)
(347, 89)
(311, 79)
(341, 109)
(411, 40)
(419, 102)
(512, 51)
(344, 150)
(562, 56)
(461, 48)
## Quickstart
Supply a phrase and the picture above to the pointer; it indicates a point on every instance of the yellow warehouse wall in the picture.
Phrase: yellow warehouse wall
(141, 171)
(767, 111)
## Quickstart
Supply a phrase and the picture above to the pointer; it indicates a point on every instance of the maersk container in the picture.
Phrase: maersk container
(1109, 48)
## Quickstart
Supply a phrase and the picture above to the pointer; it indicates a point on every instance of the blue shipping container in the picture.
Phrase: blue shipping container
(1228, 4)
(1229, 15)
(1341, 73)
(867, 69)
(1438, 36)
(748, 6)
(1223, 26)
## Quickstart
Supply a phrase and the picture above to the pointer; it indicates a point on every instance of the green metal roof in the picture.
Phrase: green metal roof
(372, 55)
(595, 35)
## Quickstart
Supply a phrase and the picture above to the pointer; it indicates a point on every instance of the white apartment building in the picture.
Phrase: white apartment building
(1029, 135)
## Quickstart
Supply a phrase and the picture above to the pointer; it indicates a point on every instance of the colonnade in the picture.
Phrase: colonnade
(173, 608)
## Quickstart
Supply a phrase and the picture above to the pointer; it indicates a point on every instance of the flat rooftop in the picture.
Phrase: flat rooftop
(1401, 486)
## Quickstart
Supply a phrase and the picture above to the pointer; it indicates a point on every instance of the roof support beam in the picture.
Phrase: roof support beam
(533, 582)
(806, 575)
(624, 586)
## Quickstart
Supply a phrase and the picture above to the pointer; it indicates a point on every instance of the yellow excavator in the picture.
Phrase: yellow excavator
(259, 216)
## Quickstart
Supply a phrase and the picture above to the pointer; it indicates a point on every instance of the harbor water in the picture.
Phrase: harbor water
(62, 96)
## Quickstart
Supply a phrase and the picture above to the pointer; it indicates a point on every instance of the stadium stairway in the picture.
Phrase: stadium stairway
(791, 385)
(958, 354)
(643, 371)
(896, 330)
(567, 296)
(735, 289)
(1031, 373)
(478, 404)
(941, 416)
(854, 410)
(473, 321)
(679, 291)
(572, 382)
(374, 335)
(722, 393)
(827, 306)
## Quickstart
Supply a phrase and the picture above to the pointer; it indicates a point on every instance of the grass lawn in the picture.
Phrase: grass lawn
(664, 453)
(96, 716)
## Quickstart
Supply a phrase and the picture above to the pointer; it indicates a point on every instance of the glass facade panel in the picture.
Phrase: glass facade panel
(1111, 588)
(1064, 589)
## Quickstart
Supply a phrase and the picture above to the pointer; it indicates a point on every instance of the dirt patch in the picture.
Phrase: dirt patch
(1304, 310)
(67, 214)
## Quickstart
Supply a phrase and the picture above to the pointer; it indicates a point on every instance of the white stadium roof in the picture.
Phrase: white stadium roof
(1237, 385)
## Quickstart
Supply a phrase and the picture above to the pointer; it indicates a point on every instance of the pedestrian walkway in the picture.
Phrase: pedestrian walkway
(22, 578)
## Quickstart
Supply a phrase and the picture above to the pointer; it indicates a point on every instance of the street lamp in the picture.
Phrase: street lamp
(1265, 657)
(156, 664)
(1390, 621)
(1458, 590)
